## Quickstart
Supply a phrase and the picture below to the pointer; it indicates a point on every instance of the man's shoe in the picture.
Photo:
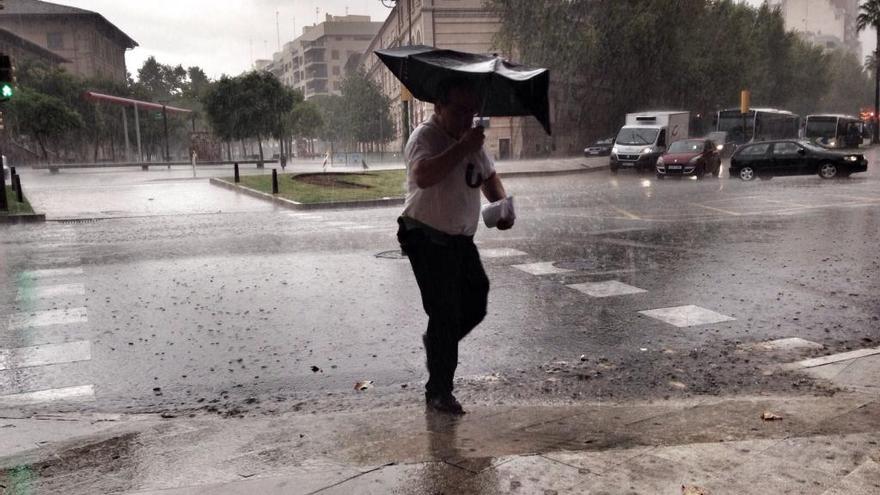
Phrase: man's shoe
(446, 404)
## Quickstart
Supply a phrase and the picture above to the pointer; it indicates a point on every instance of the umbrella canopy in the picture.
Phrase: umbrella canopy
(507, 89)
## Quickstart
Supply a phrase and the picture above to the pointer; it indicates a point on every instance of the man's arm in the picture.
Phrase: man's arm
(493, 189)
(430, 171)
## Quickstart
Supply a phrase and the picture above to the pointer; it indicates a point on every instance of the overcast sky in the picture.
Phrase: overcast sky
(219, 36)
(225, 36)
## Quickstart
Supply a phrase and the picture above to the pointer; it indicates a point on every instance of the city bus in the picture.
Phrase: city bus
(760, 124)
(834, 131)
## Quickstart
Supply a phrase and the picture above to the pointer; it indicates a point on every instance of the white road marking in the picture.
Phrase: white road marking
(686, 316)
(542, 268)
(82, 392)
(787, 203)
(48, 317)
(304, 216)
(52, 273)
(46, 354)
(500, 253)
(357, 227)
(719, 210)
(834, 358)
(607, 288)
(50, 291)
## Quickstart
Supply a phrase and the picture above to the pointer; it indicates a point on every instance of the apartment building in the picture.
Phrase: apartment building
(315, 62)
(830, 24)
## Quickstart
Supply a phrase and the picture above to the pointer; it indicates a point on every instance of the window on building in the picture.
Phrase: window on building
(334, 54)
(335, 70)
(55, 41)
(336, 85)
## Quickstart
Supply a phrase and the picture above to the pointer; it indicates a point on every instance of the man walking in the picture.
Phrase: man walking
(447, 168)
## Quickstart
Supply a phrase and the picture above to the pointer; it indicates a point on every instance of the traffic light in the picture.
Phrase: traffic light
(7, 78)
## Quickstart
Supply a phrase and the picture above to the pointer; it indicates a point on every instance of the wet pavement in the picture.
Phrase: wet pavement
(620, 288)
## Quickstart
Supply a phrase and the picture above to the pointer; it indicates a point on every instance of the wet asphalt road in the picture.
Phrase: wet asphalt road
(173, 295)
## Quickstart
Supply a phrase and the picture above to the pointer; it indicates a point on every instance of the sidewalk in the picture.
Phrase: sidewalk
(713, 445)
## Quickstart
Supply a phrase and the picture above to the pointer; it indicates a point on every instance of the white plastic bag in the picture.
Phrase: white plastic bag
(498, 210)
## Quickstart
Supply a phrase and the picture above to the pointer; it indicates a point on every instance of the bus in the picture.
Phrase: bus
(834, 131)
(761, 124)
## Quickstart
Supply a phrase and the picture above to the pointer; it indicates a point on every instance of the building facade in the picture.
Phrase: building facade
(21, 49)
(91, 46)
(830, 24)
(464, 25)
(315, 62)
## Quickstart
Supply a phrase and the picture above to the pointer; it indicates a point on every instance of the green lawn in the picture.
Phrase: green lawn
(14, 206)
(332, 187)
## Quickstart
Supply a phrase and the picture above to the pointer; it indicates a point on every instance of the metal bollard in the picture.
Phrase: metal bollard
(274, 181)
(4, 206)
(17, 187)
(237, 178)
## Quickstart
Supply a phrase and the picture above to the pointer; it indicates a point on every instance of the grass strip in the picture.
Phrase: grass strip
(331, 187)
(16, 208)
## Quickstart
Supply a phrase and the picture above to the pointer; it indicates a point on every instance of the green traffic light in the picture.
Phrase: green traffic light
(6, 91)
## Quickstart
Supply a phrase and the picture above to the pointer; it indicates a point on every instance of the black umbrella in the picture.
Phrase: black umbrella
(507, 89)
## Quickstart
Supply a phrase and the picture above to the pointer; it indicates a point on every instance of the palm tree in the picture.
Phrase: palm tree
(870, 17)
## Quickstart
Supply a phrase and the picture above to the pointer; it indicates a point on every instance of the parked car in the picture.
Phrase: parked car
(723, 143)
(695, 157)
(771, 158)
(601, 147)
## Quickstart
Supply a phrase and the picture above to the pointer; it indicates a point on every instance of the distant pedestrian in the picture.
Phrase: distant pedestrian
(447, 168)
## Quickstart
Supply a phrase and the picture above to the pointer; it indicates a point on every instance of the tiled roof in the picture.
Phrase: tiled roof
(39, 7)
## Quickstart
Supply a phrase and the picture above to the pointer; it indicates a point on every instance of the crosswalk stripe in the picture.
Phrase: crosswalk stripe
(81, 392)
(50, 291)
(46, 354)
(52, 272)
(48, 317)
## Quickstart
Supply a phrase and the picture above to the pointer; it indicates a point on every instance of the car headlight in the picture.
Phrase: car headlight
(614, 150)
(832, 143)
(719, 147)
(694, 159)
(851, 158)
(660, 162)
(647, 150)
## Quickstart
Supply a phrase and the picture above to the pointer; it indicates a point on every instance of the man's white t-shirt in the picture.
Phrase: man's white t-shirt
(451, 205)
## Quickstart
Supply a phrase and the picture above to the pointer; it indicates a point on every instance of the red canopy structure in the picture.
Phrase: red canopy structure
(137, 105)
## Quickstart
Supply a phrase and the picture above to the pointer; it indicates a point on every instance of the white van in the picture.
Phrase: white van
(645, 137)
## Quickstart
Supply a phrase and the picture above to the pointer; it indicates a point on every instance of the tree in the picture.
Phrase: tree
(334, 116)
(43, 116)
(306, 122)
(249, 106)
(870, 17)
(367, 109)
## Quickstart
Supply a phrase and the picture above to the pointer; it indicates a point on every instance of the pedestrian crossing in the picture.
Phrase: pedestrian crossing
(677, 316)
(53, 278)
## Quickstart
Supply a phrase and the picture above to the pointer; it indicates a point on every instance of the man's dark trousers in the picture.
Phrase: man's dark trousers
(454, 291)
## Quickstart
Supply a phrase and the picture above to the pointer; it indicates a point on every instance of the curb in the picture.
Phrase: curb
(293, 205)
(23, 218)
(548, 173)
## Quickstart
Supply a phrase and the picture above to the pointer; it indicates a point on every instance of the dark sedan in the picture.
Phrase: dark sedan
(771, 158)
(599, 148)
